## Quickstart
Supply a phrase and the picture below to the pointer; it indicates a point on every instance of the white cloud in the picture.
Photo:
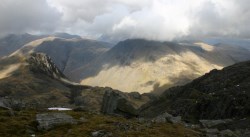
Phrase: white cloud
(121, 19)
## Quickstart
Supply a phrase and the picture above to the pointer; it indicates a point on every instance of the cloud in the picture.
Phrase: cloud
(222, 18)
(19, 16)
(115, 20)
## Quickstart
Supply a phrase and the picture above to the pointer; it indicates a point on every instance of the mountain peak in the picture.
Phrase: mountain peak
(66, 35)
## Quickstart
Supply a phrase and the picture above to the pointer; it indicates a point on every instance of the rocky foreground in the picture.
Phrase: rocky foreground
(45, 123)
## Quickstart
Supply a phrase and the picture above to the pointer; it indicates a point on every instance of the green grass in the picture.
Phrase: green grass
(24, 122)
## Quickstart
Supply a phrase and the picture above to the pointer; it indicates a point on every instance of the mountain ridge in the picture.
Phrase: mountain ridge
(139, 59)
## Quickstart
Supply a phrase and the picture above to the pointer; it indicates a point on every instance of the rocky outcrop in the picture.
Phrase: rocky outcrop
(110, 100)
(116, 103)
(41, 63)
(48, 121)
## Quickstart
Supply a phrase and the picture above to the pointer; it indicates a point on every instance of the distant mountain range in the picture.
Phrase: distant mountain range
(131, 65)
(145, 66)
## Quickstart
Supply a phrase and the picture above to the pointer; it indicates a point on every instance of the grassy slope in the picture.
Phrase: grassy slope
(24, 85)
(19, 124)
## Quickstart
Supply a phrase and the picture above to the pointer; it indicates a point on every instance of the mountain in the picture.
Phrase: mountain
(34, 80)
(152, 66)
(141, 65)
(243, 43)
(13, 42)
(66, 35)
(68, 54)
(31, 83)
(219, 94)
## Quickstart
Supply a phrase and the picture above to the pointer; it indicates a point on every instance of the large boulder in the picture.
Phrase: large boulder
(166, 117)
(116, 103)
(212, 123)
(48, 121)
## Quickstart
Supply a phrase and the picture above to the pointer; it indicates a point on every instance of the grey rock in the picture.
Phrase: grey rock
(47, 121)
(109, 103)
(175, 119)
(41, 63)
(211, 132)
(101, 133)
(227, 133)
(116, 103)
(211, 123)
(160, 119)
(166, 117)
(4, 106)
(135, 95)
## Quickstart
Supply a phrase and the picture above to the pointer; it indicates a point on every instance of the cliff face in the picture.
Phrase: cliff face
(219, 94)
(41, 63)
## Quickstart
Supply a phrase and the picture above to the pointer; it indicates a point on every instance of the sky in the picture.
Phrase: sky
(115, 20)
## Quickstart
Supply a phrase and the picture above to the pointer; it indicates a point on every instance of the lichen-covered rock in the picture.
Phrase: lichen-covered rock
(47, 121)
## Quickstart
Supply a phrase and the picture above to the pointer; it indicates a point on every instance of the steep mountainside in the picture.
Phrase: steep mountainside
(35, 80)
(13, 42)
(144, 66)
(68, 54)
(224, 55)
(218, 94)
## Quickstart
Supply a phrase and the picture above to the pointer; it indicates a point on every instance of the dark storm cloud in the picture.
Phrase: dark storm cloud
(19, 16)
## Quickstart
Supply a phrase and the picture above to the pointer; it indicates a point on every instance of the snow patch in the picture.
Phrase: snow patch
(59, 108)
